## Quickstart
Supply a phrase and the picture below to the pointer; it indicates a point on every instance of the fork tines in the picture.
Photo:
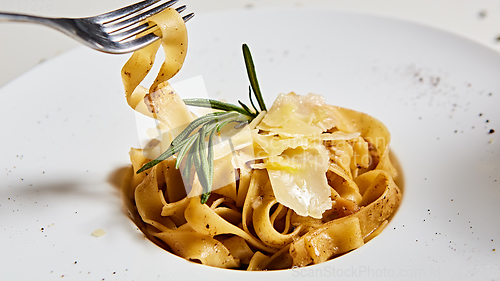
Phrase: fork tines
(129, 26)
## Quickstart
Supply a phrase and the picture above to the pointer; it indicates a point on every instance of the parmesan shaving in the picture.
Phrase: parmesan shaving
(291, 135)
(99, 232)
(298, 116)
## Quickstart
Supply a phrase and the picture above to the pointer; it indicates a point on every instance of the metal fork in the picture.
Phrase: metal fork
(112, 32)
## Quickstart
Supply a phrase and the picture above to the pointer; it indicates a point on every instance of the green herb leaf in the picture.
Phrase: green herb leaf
(250, 98)
(252, 76)
(215, 104)
(188, 164)
(210, 158)
(247, 109)
(195, 124)
(185, 148)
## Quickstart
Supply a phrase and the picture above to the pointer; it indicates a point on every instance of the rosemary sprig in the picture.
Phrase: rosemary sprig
(192, 147)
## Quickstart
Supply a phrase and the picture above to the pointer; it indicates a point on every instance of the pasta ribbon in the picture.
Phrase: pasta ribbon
(187, 244)
(174, 43)
(333, 238)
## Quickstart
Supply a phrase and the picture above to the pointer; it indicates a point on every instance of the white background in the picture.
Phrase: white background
(23, 45)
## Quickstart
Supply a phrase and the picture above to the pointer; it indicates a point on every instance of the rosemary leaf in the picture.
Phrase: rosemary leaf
(201, 164)
(247, 109)
(215, 104)
(204, 197)
(185, 148)
(251, 100)
(188, 163)
(224, 123)
(210, 158)
(195, 124)
(210, 127)
(252, 76)
(165, 155)
(204, 161)
(231, 116)
(171, 150)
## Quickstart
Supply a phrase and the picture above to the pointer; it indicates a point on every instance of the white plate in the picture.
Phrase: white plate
(67, 131)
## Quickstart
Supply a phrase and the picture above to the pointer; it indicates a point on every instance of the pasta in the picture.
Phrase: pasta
(301, 184)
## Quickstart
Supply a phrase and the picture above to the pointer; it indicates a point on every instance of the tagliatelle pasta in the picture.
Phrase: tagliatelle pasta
(141, 62)
(301, 184)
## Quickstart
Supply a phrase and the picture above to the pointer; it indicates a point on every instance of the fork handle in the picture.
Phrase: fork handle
(51, 22)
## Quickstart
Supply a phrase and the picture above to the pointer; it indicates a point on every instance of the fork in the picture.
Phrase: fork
(114, 32)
